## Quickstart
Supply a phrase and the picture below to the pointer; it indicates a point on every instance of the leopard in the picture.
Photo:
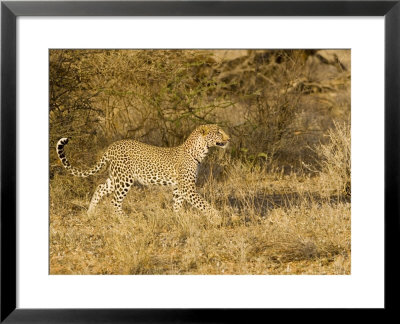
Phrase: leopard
(130, 161)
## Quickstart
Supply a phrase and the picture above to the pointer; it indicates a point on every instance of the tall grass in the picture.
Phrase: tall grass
(335, 159)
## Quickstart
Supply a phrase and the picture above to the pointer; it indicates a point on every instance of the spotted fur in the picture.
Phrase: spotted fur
(131, 161)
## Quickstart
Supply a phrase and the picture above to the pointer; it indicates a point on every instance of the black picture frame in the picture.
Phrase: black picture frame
(10, 10)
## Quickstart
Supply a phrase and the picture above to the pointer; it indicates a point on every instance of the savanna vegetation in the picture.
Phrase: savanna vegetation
(283, 186)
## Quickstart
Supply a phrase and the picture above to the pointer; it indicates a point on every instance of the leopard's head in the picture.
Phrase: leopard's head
(204, 137)
(213, 135)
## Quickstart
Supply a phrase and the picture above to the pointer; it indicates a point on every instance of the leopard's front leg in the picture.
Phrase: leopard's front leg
(186, 188)
(194, 198)
(178, 199)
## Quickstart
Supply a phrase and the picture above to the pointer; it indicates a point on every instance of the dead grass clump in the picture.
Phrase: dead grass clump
(335, 160)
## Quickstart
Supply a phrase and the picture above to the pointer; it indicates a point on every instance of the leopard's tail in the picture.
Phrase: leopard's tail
(75, 171)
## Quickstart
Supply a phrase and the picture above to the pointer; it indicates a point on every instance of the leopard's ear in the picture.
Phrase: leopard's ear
(204, 130)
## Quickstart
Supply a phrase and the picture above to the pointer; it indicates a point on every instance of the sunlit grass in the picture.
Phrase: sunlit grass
(272, 224)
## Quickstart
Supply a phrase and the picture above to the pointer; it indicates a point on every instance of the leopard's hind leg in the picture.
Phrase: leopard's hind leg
(102, 190)
(121, 190)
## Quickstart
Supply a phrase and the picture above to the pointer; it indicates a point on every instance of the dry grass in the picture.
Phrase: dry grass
(273, 223)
